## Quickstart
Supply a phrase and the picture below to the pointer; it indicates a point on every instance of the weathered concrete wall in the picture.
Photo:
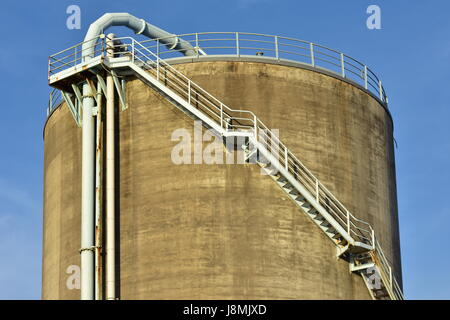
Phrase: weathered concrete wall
(226, 231)
(62, 204)
(341, 133)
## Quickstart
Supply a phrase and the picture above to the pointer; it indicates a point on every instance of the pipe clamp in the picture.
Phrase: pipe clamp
(89, 249)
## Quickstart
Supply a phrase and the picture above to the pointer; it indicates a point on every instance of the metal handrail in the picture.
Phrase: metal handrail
(245, 43)
(73, 55)
(223, 116)
(279, 47)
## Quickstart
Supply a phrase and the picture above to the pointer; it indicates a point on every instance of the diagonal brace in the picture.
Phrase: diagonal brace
(72, 108)
(102, 83)
(119, 90)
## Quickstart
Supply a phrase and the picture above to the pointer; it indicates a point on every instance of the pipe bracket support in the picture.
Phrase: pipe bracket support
(92, 248)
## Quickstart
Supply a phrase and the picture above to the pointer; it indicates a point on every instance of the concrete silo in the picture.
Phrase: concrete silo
(324, 227)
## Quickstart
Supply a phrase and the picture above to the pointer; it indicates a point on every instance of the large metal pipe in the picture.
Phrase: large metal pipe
(110, 176)
(140, 26)
(87, 196)
(98, 196)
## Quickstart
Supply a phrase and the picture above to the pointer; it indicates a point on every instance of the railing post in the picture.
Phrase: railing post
(237, 44)
(348, 222)
(197, 46)
(311, 49)
(390, 277)
(132, 50)
(102, 36)
(342, 65)
(189, 91)
(317, 190)
(286, 163)
(255, 123)
(157, 68)
(373, 239)
(380, 88)
(277, 55)
(157, 48)
(365, 78)
(221, 115)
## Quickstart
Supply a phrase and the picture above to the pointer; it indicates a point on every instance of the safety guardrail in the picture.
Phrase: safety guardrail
(73, 55)
(243, 44)
(278, 47)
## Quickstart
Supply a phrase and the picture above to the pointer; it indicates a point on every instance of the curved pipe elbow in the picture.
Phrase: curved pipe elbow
(139, 26)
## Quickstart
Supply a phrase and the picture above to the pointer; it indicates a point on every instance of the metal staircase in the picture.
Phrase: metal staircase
(354, 239)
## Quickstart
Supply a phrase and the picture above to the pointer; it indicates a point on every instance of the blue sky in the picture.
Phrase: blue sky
(411, 53)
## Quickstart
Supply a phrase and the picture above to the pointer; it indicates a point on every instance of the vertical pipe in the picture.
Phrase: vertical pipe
(87, 196)
(98, 197)
(110, 176)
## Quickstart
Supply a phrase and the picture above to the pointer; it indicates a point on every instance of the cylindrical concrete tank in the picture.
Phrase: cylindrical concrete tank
(225, 231)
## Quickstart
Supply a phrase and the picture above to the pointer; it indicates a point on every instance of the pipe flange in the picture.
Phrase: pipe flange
(175, 43)
(144, 24)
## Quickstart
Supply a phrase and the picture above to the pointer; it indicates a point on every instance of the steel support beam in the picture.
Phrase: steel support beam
(119, 90)
(73, 109)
